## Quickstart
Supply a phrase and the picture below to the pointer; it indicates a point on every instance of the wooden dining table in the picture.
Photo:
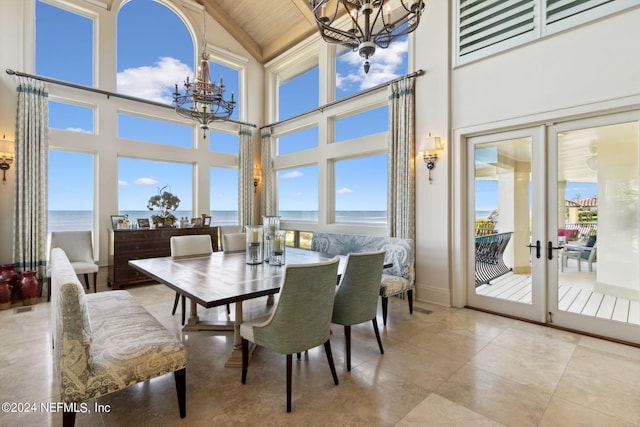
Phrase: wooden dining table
(223, 278)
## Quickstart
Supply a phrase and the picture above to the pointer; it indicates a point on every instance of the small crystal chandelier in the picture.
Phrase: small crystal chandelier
(370, 26)
(202, 100)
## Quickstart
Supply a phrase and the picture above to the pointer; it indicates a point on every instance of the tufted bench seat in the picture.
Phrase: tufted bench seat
(106, 342)
(396, 280)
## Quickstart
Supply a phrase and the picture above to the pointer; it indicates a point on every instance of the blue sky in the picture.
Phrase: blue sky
(155, 51)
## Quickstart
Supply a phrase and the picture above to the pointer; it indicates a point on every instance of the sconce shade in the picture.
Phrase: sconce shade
(430, 144)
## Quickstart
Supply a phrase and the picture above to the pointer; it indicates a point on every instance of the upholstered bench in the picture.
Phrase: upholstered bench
(107, 341)
(396, 280)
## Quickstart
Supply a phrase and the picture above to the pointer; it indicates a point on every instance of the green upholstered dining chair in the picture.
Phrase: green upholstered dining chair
(357, 295)
(301, 319)
(196, 244)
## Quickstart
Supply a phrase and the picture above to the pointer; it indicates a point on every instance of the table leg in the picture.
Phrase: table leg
(235, 360)
(194, 323)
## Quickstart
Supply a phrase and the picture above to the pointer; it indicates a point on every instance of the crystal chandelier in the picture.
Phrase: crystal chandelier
(202, 100)
(371, 27)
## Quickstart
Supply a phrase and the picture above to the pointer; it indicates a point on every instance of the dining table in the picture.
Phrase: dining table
(221, 278)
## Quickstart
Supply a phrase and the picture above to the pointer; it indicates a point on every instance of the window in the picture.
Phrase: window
(387, 64)
(71, 205)
(485, 28)
(298, 94)
(64, 44)
(298, 193)
(230, 79)
(152, 130)
(362, 124)
(224, 142)
(361, 189)
(70, 117)
(138, 180)
(149, 63)
(224, 196)
(298, 141)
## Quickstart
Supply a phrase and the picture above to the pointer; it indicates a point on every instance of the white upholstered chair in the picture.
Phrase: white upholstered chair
(78, 247)
(197, 244)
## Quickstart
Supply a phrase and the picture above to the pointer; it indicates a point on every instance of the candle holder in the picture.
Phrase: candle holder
(254, 244)
(278, 248)
(271, 225)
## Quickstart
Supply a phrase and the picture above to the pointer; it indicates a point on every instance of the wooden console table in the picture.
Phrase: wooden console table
(125, 245)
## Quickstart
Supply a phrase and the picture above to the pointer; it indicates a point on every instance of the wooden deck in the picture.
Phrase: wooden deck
(576, 295)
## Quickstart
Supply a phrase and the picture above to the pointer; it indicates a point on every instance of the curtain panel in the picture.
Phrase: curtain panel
(268, 196)
(245, 177)
(401, 179)
(30, 199)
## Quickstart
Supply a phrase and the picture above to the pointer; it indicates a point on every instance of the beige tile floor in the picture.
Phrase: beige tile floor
(442, 366)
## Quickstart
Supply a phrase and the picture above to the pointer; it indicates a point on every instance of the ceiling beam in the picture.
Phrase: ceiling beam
(305, 9)
(288, 39)
(234, 30)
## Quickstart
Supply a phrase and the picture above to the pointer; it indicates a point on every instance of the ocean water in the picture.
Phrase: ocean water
(83, 220)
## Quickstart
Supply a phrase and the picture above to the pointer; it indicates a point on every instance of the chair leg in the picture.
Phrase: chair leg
(385, 302)
(410, 298)
(228, 310)
(48, 289)
(86, 280)
(181, 388)
(184, 309)
(327, 349)
(347, 341)
(289, 369)
(375, 329)
(245, 359)
(68, 419)
(95, 282)
(175, 304)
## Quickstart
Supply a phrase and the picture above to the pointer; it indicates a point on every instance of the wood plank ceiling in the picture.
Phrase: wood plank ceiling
(265, 28)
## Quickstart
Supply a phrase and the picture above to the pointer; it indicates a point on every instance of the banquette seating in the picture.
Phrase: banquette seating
(106, 342)
(397, 279)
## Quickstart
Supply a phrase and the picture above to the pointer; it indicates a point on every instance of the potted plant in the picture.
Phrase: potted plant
(165, 203)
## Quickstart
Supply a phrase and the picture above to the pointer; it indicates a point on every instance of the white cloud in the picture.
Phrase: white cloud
(344, 190)
(77, 130)
(218, 196)
(156, 82)
(122, 183)
(384, 66)
(292, 175)
(145, 181)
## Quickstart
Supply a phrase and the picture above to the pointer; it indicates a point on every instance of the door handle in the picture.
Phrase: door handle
(550, 249)
(538, 248)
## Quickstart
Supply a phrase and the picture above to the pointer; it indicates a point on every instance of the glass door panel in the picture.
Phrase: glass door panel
(501, 197)
(596, 285)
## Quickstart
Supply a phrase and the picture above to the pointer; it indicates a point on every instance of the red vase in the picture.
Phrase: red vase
(29, 287)
(8, 272)
(5, 294)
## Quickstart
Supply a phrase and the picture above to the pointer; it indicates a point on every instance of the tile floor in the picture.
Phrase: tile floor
(442, 366)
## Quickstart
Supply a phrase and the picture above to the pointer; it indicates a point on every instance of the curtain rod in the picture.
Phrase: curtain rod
(106, 93)
(338, 101)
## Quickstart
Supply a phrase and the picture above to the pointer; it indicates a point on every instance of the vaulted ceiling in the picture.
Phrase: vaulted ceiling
(265, 28)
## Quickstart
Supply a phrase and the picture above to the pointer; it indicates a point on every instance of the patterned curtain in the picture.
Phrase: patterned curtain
(401, 203)
(30, 200)
(268, 200)
(245, 177)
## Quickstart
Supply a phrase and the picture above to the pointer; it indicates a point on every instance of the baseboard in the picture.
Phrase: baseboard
(433, 295)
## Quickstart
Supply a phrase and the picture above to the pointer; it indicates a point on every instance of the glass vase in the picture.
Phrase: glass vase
(271, 225)
(278, 248)
(254, 244)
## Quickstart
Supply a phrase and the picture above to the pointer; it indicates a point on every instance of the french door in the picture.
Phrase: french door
(553, 230)
(507, 266)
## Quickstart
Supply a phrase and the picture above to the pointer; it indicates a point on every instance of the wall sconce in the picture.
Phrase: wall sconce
(429, 147)
(5, 162)
(257, 176)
